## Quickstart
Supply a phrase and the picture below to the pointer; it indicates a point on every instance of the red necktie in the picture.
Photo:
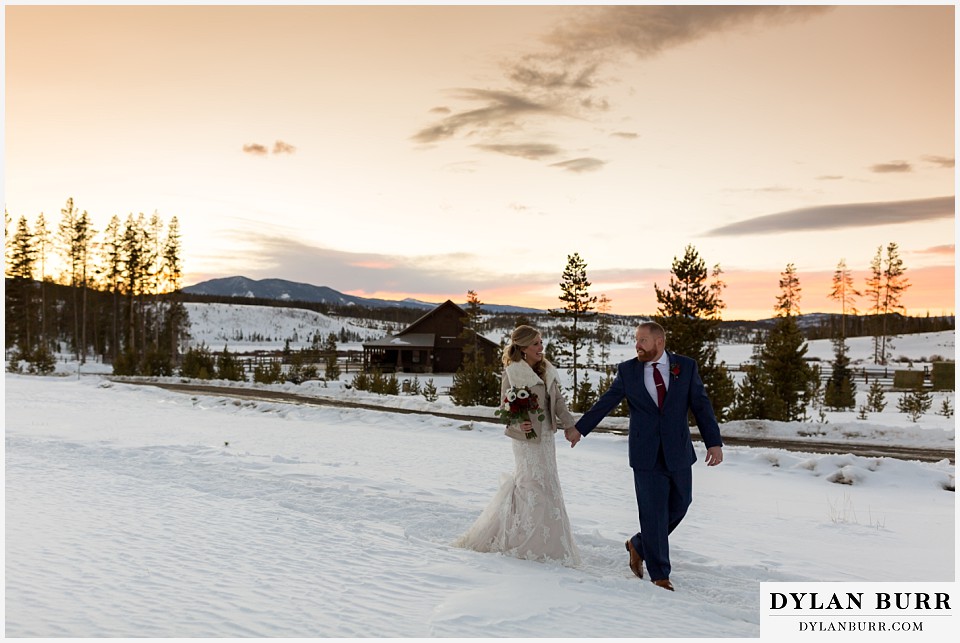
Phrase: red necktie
(661, 387)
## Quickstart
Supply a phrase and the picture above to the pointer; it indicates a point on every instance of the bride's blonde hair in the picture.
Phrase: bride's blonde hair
(522, 337)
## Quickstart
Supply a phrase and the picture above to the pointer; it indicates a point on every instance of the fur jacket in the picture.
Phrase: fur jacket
(548, 393)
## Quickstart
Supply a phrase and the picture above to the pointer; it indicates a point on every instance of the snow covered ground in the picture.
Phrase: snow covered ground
(131, 511)
(137, 512)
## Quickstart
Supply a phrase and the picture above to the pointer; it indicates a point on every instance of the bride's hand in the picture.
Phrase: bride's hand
(526, 426)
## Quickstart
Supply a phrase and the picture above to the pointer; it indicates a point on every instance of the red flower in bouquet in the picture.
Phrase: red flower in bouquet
(518, 403)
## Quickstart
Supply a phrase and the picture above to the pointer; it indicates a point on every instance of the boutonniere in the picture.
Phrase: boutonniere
(674, 370)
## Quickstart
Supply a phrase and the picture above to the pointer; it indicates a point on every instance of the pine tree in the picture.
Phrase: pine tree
(874, 293)
(778, 383)
(472, 383)
(876, 401)
(584, 396)
(752, 395)
(787, 371)
(604, 336)
(788, 301)
(844, 293)
(228, 367)
(76, 238)
(946, 409)
(7, 240)
(782, 355)
(172, 276)
(892, 287)
(331, 368)
(135, 261)
(471, 325)
(915, 403)
(361, 381)
(111, 269)
(689, 309)
(430, 391)
(577, 307)
(475, 384)
(198, 363)
(841, 390)
(263, 373)
(42, 239)
(19, 301)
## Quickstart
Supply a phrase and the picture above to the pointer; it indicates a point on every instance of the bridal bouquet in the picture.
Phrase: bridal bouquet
(518, 404)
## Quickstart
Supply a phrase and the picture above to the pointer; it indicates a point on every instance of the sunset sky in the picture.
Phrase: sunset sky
(421, 151)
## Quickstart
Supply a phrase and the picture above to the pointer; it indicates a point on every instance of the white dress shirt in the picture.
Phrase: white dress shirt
(663, 363)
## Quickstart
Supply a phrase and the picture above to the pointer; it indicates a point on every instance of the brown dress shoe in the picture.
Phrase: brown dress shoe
(636, 560)
(664, 583)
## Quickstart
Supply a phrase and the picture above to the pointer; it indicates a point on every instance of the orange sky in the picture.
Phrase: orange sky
(426, 150)
(747, 296)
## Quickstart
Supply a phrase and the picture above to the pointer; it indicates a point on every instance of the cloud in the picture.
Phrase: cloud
(892, 166)
(269, 256)
(942, 161)
(561, 79)
(279, 147)
(846, 215)
(255, 149)
(501, 112)
(939, 250)
(532, 151)
(630, 135)
(584, 164)
(830, 177)
(648, 30)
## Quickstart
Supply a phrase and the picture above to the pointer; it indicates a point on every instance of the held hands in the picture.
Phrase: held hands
(573, 436)
(714, 456)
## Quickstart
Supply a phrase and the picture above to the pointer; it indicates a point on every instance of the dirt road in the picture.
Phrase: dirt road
(807, 446)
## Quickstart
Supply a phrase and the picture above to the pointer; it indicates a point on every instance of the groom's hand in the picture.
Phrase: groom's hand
(714, 456)
(573, 436)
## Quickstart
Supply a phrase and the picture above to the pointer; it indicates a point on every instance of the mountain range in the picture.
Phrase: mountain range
(283, 290)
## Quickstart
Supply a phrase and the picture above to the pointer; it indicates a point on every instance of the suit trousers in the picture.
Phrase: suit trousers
(662, 500)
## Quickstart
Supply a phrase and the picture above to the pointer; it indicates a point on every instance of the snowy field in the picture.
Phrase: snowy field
(137, 512)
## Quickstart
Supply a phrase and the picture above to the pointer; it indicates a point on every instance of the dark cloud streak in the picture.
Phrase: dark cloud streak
(847, 215)
(369, 272)
(648, 30)
(531, 151)
(255, 148)
(562, 79)
(584, 164)
(279, 147)
(891, 167)
(501, 112)
(942, 161)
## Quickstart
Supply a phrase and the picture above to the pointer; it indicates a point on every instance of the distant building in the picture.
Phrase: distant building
(432, 344)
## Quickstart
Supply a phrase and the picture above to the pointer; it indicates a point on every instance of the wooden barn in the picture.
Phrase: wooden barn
(432, 344)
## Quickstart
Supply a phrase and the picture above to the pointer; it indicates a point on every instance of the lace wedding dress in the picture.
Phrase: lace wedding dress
(526, 517)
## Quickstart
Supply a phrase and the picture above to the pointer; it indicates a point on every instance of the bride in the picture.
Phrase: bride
(526, 517)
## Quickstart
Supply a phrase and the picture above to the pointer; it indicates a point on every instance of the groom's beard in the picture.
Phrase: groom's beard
(646, 356)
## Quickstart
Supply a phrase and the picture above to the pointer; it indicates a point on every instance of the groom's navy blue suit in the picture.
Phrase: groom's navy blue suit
(660, 447)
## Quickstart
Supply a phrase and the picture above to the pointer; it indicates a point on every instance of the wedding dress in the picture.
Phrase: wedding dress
(526, 517)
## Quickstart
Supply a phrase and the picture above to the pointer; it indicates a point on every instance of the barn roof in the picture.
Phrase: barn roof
(410, 340)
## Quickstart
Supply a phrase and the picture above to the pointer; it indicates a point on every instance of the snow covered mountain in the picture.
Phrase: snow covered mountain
(284, 290)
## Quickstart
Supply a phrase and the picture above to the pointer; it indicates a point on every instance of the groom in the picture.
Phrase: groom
(660, 387)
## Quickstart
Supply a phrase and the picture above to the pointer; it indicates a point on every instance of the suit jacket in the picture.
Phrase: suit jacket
(652, 428)
(548, 394)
